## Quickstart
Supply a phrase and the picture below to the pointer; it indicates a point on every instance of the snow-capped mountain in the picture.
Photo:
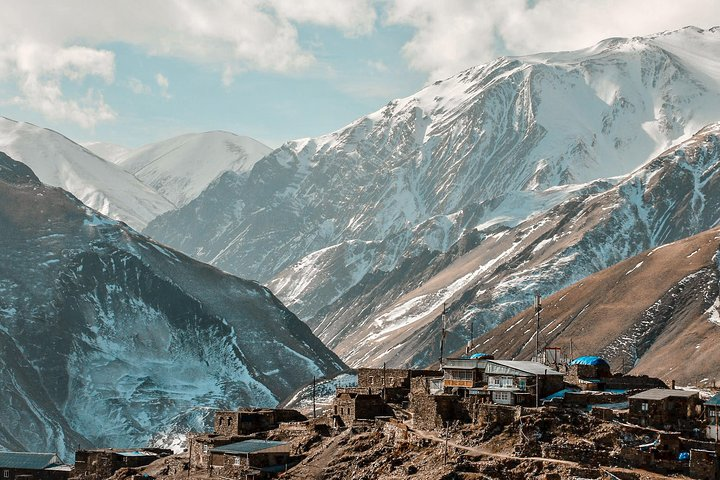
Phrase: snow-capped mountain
(109, 338)
(99, 184)
(343, 226)
(180, 168)
(493, 272)
(657, 314)
(107, 151)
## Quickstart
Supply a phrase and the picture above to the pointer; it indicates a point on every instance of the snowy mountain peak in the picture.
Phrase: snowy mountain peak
(101, 185)
(180, 168)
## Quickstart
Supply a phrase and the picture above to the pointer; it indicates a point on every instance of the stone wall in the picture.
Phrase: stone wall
(704, 465)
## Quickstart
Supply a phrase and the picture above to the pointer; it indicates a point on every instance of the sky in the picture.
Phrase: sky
(140, 71)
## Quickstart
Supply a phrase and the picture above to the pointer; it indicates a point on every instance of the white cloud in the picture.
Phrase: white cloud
(455, 34)
(39, 71)
(163, 83)
(138, 87)
(230, 35)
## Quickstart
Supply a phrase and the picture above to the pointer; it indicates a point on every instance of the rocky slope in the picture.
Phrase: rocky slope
(347, 228)
(657, 313)
(180, 168)
(492, 274)
(101, 185)
(108, 337)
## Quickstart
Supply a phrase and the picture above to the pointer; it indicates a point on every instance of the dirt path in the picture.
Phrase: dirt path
(488, 453)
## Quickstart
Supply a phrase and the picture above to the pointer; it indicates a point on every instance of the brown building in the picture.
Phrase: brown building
(32, 466)
(513, 382)
(248, 421)
(352, 405)
(465, 373)
(102, 463)
(664, 408)
(393, 384)
(250, 458)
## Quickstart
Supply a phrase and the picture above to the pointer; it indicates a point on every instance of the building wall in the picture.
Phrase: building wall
(664, 413)
(13, 473)
(391, 377)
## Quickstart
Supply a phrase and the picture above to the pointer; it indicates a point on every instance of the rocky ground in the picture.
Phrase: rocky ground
(546, 444)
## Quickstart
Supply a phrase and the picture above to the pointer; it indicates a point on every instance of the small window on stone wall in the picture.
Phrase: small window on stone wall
(230, 421)
(220, 423)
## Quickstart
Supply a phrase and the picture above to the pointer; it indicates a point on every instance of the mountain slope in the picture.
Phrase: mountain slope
(108, 337)
(492, 273)
(62, 163)
(181, 168)
(657, 313)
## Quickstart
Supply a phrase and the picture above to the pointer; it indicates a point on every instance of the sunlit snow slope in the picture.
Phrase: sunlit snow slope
(108, 338)
(99, 184)
(181, 168)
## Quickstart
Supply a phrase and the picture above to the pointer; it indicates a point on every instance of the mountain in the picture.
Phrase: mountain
(181, 168)
(345, 226)
(108, 337)
(101, 185)
(492, 273)
(657, 313)
(107, 151)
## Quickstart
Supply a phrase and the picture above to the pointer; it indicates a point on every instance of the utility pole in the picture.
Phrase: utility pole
(314, 414)
(538, 308)
(442, 336)
(383, 387)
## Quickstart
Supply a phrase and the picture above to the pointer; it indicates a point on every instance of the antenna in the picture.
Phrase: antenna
(442, 336)
(470, 340)
(538, 308)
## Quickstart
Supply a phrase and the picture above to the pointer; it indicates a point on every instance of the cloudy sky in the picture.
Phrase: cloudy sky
(137, 71)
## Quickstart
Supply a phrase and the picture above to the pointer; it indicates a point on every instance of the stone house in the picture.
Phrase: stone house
(102, 463)
(712, 418)
(352, 404)
(35, 466)
(513, 382)
(393, 384)
(664, 408)
(250, 458)
(248, 421)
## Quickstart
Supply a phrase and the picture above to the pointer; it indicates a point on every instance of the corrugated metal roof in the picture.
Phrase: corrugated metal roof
(136, 454)
(248, 446)
(662, 393)
(714, 400)
(29, 461)
(533, 368)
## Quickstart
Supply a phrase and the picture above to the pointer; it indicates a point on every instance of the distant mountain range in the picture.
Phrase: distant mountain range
(445, 196)
(109, 338)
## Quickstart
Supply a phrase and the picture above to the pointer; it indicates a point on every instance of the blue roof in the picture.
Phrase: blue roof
(248, 446)
(29, 461)
(137, 454)
(714, 400)
(590, 360)
(480, 355)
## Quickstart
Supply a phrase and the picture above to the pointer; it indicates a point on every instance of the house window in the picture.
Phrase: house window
(711, 412)
(6, 473)
(205, 448)
(124, 459)
(644, 406)
(372, 380)
(237, 461)
(220, 422)
(229, 421)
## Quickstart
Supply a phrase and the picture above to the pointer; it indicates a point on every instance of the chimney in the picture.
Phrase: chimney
(673, 385)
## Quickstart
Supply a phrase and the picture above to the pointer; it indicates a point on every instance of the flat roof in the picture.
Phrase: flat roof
(662, 393)
(29, 460)
(137, 454)
(248, 446)
(533, 368)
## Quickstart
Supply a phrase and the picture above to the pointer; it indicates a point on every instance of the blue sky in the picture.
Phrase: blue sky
(136, 72)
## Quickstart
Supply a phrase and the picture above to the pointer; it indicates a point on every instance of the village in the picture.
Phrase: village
(474, 417)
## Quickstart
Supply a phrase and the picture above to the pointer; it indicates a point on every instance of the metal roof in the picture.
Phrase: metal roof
(29, 461)
(662, 393)
(137, 454)
(532, 368)
(714, 400)
(590, 360)
(248, 446)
